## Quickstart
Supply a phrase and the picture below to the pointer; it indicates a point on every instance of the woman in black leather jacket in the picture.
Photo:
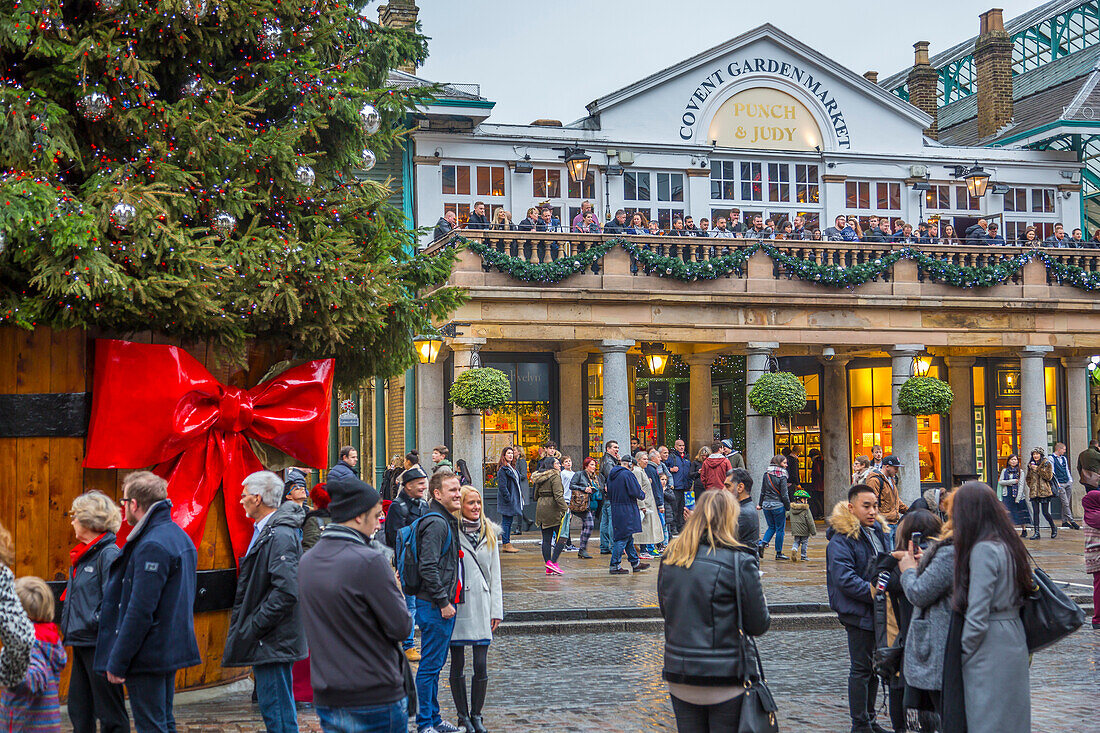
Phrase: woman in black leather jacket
(706, 574)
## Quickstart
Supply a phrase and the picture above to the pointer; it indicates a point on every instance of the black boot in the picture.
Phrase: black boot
(1053, 532)
(477, 701)
(462, 708)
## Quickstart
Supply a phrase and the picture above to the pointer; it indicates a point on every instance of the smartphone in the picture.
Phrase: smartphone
(916, 538)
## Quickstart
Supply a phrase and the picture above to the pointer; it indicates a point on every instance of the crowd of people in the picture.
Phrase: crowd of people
(845, 228)
(334, 580)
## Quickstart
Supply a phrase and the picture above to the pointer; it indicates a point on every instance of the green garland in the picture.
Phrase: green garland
(548, 272)
(664, 266)
(837, 276)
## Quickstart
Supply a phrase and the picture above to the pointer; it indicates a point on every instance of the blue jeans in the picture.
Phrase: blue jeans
(151, 698)
(506, 528)
(275, 697)
(410, 603)
(435, 640)
(392, 718)
(777, 520)
(605, 527)
(617, 548)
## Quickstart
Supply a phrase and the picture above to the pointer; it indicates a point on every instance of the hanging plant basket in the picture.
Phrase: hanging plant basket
(481, 388)
(925, 396)
(778, 394)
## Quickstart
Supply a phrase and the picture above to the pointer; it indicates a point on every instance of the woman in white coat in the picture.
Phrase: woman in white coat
(652, 532)
(479, 615)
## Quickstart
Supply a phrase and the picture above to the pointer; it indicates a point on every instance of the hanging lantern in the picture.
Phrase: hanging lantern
(656, 358)
(577, 163)
(920, 366)
(976, 181)
(427, 347)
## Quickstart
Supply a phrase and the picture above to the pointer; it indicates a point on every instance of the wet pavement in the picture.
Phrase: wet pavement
(612, 682)
(587, 584)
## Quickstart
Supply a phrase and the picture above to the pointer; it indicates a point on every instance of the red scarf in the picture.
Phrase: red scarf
(47, 632)
(78, 552)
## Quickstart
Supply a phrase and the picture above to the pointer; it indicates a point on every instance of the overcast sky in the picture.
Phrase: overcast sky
(551, 58)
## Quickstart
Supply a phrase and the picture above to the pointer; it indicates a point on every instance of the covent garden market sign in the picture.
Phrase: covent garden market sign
(761, 117)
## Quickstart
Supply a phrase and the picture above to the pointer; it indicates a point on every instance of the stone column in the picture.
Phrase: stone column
(616, 393)
(574, 442)
(759, 436)
(1077, 418)
(467, 442)
(903, 428)
(836, 439)
(700, 402)
(430, 403)
(960, 375)
(1033, 400)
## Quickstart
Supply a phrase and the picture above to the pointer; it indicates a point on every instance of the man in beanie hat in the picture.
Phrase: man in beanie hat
(409, 506)
(733, 456)
(354, 616)
(265, 627)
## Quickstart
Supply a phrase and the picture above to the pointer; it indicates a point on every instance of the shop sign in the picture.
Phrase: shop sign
(767, 118)
(349, 418)
(763, 118)
(658, 392)
(1008, 384)
(532, 382)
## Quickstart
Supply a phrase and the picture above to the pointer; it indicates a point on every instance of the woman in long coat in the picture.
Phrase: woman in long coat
(481, 610)
(992, 574)
(550, 508)
(1040, 474)
(509, 495)
(652, 532)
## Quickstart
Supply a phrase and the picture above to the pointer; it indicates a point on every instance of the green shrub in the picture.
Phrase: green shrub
(481, 388)
(778, 394)
(925, 396)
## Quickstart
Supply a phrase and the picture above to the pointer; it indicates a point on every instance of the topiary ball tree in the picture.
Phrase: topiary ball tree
(777, 394)
(481, 388)
(925, 396)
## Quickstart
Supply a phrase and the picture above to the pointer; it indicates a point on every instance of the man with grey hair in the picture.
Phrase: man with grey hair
(265, 628)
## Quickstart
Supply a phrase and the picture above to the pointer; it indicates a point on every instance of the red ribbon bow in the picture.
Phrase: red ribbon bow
(156, 405)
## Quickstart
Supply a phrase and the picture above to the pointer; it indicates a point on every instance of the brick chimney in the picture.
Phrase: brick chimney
(993, 65)
(399, 14)
(871, 76)
(922, 82)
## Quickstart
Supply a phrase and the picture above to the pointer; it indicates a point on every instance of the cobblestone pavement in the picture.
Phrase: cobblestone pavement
(612, 682)
(587, 584)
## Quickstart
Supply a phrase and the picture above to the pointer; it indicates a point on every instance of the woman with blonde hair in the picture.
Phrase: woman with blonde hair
(95, 520)
(481, 612)
(710, 596)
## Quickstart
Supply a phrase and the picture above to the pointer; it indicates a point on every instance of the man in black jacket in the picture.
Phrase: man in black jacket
(440, 591)
(617, 225)
(265, 627)
(478, 219)
(739, 483)
(406, 509)
(354, 617)
(446, 224)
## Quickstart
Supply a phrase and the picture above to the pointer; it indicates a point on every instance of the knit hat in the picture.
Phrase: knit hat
(350, 498)
(728, 443)
(412, 474)
(802, 494)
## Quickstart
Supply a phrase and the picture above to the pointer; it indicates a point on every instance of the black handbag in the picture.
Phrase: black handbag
(1048, 613)
(758, 708)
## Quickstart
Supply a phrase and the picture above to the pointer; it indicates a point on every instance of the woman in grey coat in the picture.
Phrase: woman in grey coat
(928, 587)
(480, 613)
(992, 574)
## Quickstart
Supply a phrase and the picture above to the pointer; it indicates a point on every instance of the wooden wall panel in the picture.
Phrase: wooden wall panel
(9, 478)
(33, 364)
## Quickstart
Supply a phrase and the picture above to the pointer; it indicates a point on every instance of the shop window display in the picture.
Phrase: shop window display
(804, 429)
(523, 422)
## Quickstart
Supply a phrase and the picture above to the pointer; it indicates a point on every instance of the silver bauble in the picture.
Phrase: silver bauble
(94, 106)
(372, 121)
(195, 9)
(271, 36)
(368, 159)
(108, 6)
(304, 175)
(223, 223)
(122, 214)
(192, 87)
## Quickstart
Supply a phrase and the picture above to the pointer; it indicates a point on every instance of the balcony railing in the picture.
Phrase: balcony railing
(840, 264)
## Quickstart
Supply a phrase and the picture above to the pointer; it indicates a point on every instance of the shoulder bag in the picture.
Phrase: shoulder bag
(1048, 613)
(579, 500)
(758, 709)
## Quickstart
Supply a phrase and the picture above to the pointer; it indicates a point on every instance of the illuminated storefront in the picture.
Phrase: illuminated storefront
(997, 422)
(802, 430)
(870, 398)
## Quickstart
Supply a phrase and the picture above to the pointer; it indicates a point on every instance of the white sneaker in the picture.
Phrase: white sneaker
(445, 727)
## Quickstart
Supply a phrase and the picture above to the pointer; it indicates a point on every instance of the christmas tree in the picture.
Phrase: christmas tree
(196, 168)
